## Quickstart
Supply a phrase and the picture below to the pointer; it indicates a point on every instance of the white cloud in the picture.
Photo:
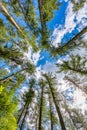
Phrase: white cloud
(79, 100)
(32, 56)
(38, 73)
(71, 21)
(49, 67)
(58, 34)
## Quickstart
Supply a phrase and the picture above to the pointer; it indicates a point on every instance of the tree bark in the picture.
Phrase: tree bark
(9, 17)
(40, 111)
(10, 76)
(41, 12)
(21, 126)
(19, 118)
(77, 70)
(57, 107)
(43, 22)
(51, 118)
(70, 42)
(76, 85)
(36, 125)
(68, 111)
(25, 109)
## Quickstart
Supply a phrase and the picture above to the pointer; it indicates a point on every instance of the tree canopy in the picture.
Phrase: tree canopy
(32, 100)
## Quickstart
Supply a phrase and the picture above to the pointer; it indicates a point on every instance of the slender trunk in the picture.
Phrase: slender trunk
(10, 76)
(41, 12)
(70, 42)
(57, 107)
(77, 70)
(36, 125)
(19, 118)
(60, 116)
(22, 123)
(43, 22)
(25, 109)
(51, 118)
(12, 20)
(68, 111)
(76, 85)
(40, 111)
(74, 124)
(9, 17)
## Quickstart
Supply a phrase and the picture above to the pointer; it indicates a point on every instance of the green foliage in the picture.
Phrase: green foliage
(1, 89)
(8, 106)
(76, 64)
(30, 68)
(8, 53)
(48, 8)
(78, 5)
(79, 118)
(32, 30)
(3, 31)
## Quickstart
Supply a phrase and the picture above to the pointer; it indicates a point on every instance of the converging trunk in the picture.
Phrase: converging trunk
(70, 42)
(40, 111)
(9, 17)
(51, 118)
(76, 85)
(56, 105)
(11, 75)
(21, 126)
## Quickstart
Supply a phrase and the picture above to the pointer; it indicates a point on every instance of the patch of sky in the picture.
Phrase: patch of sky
(23, 88)
(59, 16)
(2, 63)
(69, 98)
(68, 36)
(44, 57)
(8, 45)
(19, 20)
(83, 22)
(3, 18)
(68, 93)
(10, 72)
(75, 31)
(71, 89)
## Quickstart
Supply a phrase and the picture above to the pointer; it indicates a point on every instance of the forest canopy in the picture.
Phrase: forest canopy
(43, 65)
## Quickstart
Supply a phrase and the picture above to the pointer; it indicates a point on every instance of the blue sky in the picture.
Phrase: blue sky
(59, 18)
(62, 29)
(63, 25)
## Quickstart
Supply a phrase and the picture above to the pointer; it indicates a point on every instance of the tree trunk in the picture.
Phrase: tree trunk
(10, 76)
(77, 70)
(43, 22)
(9, 17)
(19, 118)
(51, 118)
(70, 42)
(76, 85)
(41, 13)
(25, 109)
(21, 126)
(68, 111)
(36, 125)
(57, 107)
(40, 111)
